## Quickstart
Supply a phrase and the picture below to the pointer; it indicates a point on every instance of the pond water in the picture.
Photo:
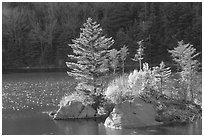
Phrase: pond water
(39, 123)
(28, 98)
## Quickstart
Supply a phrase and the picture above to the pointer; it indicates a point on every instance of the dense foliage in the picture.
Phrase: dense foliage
(154, 85)
(37, 34)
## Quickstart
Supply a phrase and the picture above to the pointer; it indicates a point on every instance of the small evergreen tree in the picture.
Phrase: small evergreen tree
(184, 55)
(113, 54)
(123, 54)
(91, 52)
(139, 54)
(162, 73)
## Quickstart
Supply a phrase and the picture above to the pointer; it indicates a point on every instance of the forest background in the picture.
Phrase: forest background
(36, 35)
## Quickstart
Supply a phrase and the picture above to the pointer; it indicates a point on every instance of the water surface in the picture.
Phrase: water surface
(28, 98)
(39, 123)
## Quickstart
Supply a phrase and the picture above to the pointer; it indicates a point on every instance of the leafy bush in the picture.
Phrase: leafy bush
(138, 83)
(117, 89)
(128, 87)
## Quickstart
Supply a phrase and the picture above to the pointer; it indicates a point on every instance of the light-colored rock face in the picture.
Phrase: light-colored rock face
(131, 115)
(75, 109)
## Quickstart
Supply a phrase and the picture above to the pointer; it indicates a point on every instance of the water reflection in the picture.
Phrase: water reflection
(173, 129)
(77, 127)
(87, 127)
(32, 123)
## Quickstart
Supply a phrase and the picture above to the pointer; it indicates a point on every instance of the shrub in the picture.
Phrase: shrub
(142, 83)
(136, 81)
(128, 87)
(117, 89)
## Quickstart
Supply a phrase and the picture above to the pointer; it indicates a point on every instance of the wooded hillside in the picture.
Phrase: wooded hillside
(38, 34)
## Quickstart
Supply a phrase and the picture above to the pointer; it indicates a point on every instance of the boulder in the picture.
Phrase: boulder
(87, 112)
(114, 120)
(74, 110)
(71, 110)
(131, 115)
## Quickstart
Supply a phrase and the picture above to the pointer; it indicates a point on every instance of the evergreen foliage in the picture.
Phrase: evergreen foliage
(184, 55)
(91, 53)
(114, 59)
(123, 55)
(162, 74)
(121, 38)
(139, 54)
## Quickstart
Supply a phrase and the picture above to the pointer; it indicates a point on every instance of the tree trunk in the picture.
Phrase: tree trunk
(123, 65)
(140, 64)
(190, 87)
(185, 92)
(161, 85)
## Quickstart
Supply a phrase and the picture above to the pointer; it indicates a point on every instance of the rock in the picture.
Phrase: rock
(87, 112)
(74, 110)
(131, 115)
(70, 110)
(113, 120)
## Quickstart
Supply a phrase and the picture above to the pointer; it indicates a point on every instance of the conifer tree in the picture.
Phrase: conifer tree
(91, 52)
(123, 54)
(114, 59)
(162, 73)
(139, 54)
(184, 55)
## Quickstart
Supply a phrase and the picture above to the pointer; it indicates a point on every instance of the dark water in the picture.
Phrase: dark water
(39, 123)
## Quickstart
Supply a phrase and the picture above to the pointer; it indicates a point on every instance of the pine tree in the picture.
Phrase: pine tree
(91, 52)
(184, 55)
(114, 59)
(162, 73)
(139, 54)
(123, 54)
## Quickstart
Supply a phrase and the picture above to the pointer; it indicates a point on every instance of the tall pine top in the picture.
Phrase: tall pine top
(184, 55)
(90, 53)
